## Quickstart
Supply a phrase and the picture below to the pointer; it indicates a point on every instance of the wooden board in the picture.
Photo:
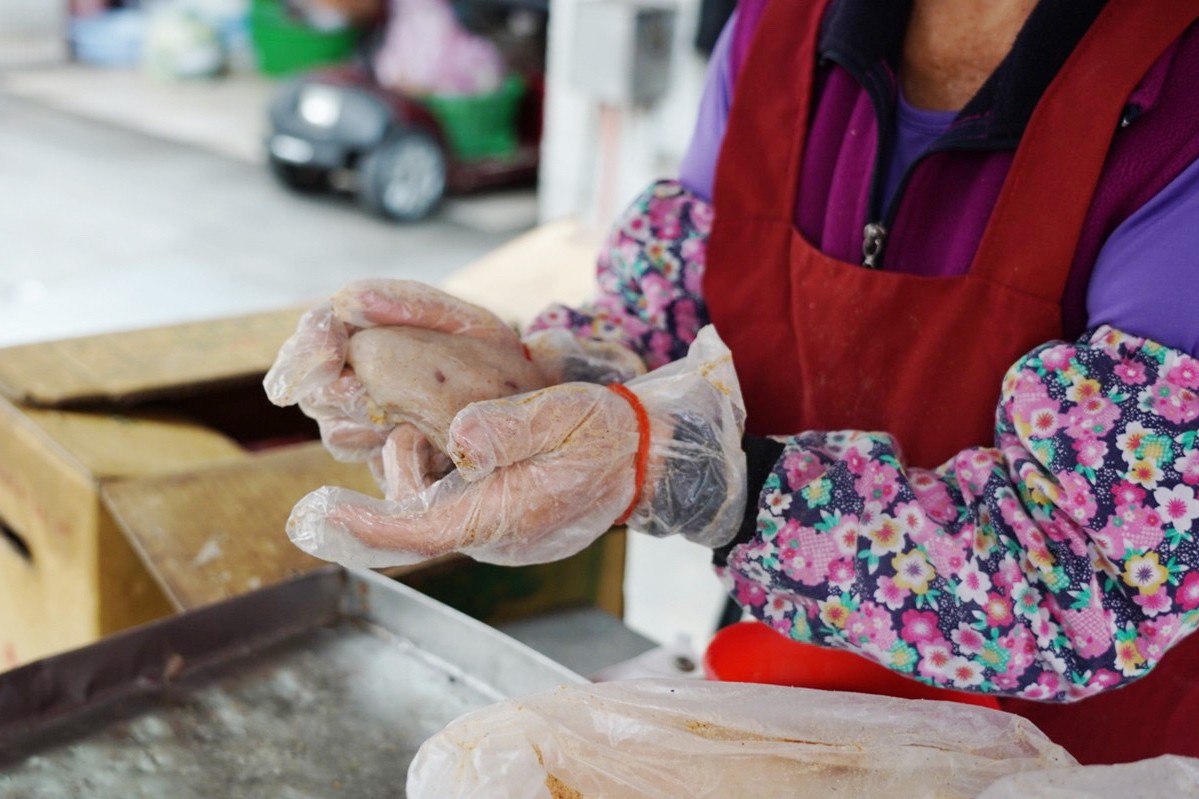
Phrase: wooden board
(212, 533)
(108, 445)
(139, 363)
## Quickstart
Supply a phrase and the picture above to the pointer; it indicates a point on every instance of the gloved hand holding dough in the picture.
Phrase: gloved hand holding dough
(424, 377)
(396, 420)
(419, 379)
(385, 364)
(541, 475)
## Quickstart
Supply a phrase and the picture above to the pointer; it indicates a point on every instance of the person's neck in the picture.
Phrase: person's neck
(951, 47)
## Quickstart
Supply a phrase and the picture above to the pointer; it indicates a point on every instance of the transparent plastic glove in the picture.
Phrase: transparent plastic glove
(565, 358)
(408, 462)
(542, 475)
(315, 354)
(424, 377)
(385, 353)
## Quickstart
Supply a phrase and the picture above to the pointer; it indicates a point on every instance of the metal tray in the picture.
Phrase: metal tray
(319, 687)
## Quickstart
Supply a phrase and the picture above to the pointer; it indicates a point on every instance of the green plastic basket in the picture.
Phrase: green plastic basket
(284, 44)
(480, 125)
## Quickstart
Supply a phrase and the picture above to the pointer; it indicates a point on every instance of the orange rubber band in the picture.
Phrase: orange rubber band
(642, 460)
(525, 349)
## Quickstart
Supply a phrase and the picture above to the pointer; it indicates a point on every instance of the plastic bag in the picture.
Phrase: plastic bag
(181, 43)
(1169, 775)
(666, 739)
(426, 51)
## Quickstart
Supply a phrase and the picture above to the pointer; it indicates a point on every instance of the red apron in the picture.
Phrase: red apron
(822, 344)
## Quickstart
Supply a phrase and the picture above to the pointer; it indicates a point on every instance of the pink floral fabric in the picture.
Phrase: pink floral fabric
(649, 276)
(1056, 564)
(1060, 562)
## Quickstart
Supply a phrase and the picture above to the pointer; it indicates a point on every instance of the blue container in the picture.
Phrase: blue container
(111, 39)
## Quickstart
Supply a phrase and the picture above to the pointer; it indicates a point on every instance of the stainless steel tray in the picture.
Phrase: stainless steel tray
(319, 687)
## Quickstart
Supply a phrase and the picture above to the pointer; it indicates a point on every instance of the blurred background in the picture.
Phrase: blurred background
(168, 161)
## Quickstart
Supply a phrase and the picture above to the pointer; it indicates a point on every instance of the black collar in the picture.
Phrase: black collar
(867, 37)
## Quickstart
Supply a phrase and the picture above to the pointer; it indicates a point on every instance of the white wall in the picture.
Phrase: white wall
(32, 31)
(650, 142)
(31, 16)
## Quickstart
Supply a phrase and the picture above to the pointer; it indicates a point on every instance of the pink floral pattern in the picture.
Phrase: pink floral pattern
(1059, 563)
(649, 273)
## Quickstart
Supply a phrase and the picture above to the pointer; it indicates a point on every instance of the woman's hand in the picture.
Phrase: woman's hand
(541, 475)
(384, 366)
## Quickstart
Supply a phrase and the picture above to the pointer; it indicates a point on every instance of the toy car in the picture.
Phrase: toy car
(401, 154)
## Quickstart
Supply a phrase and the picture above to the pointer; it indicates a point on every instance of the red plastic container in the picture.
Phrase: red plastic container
(750, 651)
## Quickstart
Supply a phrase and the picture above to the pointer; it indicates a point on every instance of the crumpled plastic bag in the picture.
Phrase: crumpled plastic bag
(427, 51)
(667, 739)
(1168, 775)
(180, 43)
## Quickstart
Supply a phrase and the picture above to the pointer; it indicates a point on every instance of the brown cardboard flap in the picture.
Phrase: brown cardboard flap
(108, 445)
(217, 532)
(141, 363)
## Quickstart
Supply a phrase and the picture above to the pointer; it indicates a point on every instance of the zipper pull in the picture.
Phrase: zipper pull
(873, 237)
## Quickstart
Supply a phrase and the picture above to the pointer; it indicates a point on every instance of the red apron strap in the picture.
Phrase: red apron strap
(1065, 145)
(747, 178)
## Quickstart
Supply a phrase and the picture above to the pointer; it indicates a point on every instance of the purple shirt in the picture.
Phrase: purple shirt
(915, 130)
(1146, 276)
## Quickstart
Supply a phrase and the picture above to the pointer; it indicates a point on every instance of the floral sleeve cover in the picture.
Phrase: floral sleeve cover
(1057, 564)
(649, 276)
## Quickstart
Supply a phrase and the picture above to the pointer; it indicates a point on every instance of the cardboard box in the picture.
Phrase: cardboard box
(85, 418)
(144, 472)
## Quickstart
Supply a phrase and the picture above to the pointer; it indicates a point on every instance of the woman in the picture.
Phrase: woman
(960, 234)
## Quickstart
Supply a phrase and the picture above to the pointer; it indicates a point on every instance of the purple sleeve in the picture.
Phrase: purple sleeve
(698, 169)
(1146, 278)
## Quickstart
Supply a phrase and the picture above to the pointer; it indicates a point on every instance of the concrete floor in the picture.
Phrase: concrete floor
(101, 228)
(108, 221)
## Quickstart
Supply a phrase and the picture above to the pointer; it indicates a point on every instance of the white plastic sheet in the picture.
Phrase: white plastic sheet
(665, 739)
(1166, 776)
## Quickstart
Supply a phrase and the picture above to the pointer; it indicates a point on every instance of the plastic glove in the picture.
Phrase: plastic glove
(565, 358)
(313, 371)
(361, 387)
(424, 377)
(315, 355)
(542, 475)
